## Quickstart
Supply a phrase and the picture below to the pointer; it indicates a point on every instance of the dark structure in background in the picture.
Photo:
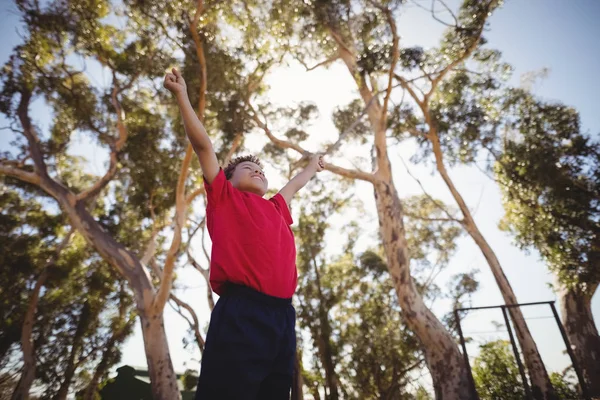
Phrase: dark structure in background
(582, 384)
(134, 384)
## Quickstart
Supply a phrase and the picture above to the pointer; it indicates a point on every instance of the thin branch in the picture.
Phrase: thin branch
(198, 13)
(115, 146)
(395, 56)
(235, 145)
(180, 211)
(150, 247)
(340, 42)
(195, 325)
(100, 184)
(192, 196)
(199, 45)
(470, 71)
(433, 14)
(193, 233)
(27, 344)
(329, 60)
(460, 59)
(406, 85)
(434, 201)
(29, 177)
(10, 128)
(422, 218)
(433, 274)
(205, 272)
(203, 238)
(417, 132)
(28, 131)
(180, 199)
(343, 135)
(449, 11)
(284, 144)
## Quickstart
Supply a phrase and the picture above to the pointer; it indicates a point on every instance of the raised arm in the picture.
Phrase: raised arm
(315, 165)
(194, 129)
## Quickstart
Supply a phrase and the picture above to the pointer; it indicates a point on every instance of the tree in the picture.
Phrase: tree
(39, 67)
(121, 326)
(497, 377)
(127, 119)
(360, 346)
(31, 239)
(496, 374)
(27, 344)
(57, 296)
(364, 37)
(549, 174)
(444, 114)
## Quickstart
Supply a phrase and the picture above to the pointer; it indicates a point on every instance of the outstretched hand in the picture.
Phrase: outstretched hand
(175, 83)
(317, 163)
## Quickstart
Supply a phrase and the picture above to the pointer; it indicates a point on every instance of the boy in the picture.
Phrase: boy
(251, 341)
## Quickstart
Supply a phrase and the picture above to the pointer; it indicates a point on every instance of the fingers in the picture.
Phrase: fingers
(320, 163)
(176, 73)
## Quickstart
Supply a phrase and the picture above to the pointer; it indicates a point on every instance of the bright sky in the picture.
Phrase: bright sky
(531, 34)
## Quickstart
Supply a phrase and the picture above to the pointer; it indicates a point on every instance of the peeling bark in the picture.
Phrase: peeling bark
(541, 386)
(21, 392)
(72, 363)
(324, 342)
(124, 261)
(297, 381)
(160, 367)
(578, 320)
(444, 360)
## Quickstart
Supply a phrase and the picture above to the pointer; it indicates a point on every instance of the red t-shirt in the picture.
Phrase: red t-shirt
(252, 242)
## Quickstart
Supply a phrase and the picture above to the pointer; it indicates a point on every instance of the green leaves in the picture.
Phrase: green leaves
(348, 120)
(497, 377)
(495, 372)
(548, 172)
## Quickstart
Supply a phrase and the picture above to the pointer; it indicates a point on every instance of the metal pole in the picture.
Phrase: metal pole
(537, 303)
(517, 356)
(466, 356)
(584, 390)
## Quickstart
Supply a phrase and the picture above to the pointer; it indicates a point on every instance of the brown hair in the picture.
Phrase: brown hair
(236, 161)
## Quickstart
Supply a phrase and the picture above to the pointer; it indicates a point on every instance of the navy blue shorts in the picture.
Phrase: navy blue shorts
(250, 348)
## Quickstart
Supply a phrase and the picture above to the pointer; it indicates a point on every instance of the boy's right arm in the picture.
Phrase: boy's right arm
(194, 129)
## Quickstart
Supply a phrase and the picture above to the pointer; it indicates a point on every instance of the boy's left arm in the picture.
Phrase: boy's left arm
(315, 165)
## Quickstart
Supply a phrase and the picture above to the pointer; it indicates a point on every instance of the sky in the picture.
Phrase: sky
(532, 34)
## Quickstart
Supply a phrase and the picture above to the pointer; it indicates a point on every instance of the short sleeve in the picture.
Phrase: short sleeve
(282, 207)
(217, 190)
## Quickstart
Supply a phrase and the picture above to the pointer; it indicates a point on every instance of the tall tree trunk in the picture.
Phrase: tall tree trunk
(163, 379)
(106, 361)
(76, 350)
(101, 368)
(324, 342)
(579, 324)
(445, 362)
(21, 392)
(451, 380)
(540, 381)
(160, 367)
(297, 381)
(29, 364)
(148, 301)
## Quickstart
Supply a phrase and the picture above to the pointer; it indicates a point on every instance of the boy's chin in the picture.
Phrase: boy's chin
(255, 188)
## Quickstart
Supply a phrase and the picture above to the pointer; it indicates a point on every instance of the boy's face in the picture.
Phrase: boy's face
(249, 177)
